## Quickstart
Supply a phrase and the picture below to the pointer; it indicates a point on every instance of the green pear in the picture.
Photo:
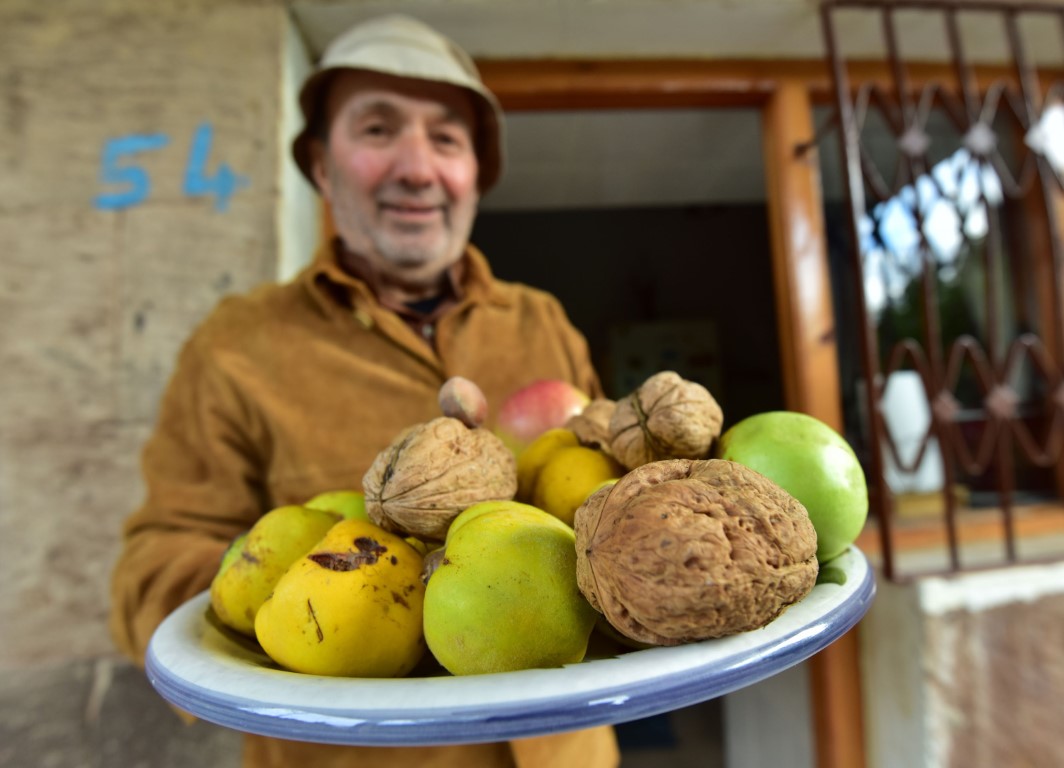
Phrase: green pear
(504, 597)
(252, 566)
(348, 503)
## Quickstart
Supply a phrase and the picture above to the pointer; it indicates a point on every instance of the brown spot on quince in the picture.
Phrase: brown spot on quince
(367, 552)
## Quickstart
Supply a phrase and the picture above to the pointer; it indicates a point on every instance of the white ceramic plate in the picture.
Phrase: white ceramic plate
(216, 677)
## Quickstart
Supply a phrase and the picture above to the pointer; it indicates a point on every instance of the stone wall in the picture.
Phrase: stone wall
(106, 269)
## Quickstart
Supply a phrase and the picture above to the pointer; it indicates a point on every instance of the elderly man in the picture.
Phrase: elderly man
(293, 389)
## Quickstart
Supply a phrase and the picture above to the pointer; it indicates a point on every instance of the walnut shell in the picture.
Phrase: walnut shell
(682, 550)
(667, 417)
(592, 425)
(433, 471)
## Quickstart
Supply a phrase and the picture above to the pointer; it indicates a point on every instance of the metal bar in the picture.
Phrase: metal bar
(966, 5)
(965, 76)
(901, 86)
(1004, 467)
(851, 162)
(1029, 88)
(945, 432)
(822, 130)
(929, 276)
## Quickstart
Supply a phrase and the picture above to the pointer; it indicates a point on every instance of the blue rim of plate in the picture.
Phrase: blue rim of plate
(198, 669)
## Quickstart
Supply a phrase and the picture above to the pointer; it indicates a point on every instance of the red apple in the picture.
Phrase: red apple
(535, 408)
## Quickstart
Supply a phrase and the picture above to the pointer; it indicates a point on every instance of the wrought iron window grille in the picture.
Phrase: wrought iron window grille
(988, 393)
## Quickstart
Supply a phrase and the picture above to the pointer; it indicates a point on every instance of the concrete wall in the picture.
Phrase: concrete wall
(100, 282)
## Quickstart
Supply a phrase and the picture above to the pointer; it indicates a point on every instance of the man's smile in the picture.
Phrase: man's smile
(414, 212)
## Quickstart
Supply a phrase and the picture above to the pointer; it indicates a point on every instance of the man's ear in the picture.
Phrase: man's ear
(318, 172)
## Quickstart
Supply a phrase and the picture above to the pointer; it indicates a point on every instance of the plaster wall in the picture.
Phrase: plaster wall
(104, 274)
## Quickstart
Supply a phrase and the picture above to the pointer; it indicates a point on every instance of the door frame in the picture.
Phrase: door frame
(785, 93)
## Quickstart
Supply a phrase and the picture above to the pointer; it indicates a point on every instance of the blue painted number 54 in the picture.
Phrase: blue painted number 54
(119, 169)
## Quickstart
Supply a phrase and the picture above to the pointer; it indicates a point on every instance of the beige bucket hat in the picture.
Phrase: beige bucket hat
(404, 47)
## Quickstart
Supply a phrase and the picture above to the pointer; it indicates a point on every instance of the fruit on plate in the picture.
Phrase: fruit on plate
(812, 462)
(351, 505)
(569, 477)
(534, 408)
(462, 399)
(347, 503)
(684, 550)
(592, 425)
(536, 455)
(250, 568)
(232, 552)
(350, 607)
(666, 417)
(504, 595)
(433, 470)
(556, 473)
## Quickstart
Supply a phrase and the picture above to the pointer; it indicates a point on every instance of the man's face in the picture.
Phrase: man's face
(399, 171)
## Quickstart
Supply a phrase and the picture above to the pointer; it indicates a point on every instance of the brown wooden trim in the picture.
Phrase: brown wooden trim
(838, 720)
(618, 84)
(804, 308)
(1053, 334)
(806, 320)
(1044, 209)
(549, 84)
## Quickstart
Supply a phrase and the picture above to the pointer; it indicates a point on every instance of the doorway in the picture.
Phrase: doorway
(651, 228)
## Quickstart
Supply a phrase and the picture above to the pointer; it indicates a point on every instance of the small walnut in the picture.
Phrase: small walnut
(667, 417)
(682, 550)
(433, 471)
(592, 425)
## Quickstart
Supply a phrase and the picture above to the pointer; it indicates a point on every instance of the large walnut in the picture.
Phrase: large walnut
(683, 550)
(667, 417)
(431, 472)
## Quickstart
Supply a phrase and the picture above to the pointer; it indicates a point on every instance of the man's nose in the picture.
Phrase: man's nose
(414, 161)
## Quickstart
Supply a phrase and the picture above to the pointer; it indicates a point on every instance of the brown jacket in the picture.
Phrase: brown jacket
(293, 390)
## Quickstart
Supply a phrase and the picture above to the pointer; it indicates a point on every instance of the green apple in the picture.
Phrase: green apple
(504, 596)
(813, 463)
(350, 504)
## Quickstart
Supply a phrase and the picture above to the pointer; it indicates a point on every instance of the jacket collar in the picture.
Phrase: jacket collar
(330, 285)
